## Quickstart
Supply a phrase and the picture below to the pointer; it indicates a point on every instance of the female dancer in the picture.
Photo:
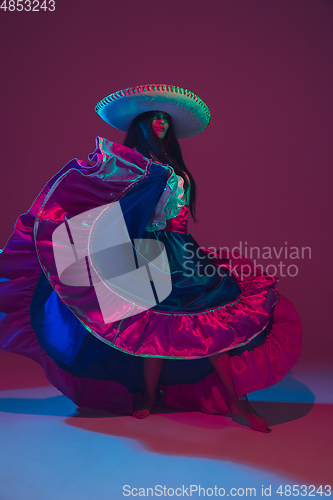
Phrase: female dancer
(220, 336)
(152, 134)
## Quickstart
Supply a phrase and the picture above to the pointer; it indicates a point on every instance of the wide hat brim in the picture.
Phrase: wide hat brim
(190, 115)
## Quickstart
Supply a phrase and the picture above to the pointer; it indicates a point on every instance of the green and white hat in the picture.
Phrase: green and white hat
(190, 115)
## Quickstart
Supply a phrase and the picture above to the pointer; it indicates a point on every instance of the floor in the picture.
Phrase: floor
(51, 450)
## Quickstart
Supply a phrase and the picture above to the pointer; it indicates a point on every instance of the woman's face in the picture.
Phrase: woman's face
(160, 124)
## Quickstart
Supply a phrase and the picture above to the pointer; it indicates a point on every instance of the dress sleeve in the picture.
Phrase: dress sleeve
(169, 204)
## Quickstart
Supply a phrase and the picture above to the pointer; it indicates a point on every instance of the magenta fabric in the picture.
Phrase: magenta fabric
(179, 223)
(151, 332)
(252, 370)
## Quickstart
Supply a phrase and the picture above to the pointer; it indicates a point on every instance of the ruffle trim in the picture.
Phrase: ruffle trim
(203, 333)
(252, 370)
(132, 328)
(170, 203)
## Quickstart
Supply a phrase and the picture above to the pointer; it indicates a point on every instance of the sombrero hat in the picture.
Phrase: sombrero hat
(190, 115)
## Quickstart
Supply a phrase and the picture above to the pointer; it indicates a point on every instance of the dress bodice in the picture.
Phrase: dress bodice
(178, 224)
(171, 211)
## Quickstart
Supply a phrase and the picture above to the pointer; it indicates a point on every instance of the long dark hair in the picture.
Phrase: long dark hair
(141, 137)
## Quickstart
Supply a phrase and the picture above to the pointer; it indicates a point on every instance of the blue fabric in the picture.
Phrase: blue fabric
(142, 200)
(2, 280)
(78, 352)
(57, 330)
(83, 355)
(193, 290)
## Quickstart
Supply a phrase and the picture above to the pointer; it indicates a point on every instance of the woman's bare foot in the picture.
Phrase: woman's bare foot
(145, 407)
(242, 407)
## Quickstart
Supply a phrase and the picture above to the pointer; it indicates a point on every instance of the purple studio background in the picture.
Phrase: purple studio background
(264, 165)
